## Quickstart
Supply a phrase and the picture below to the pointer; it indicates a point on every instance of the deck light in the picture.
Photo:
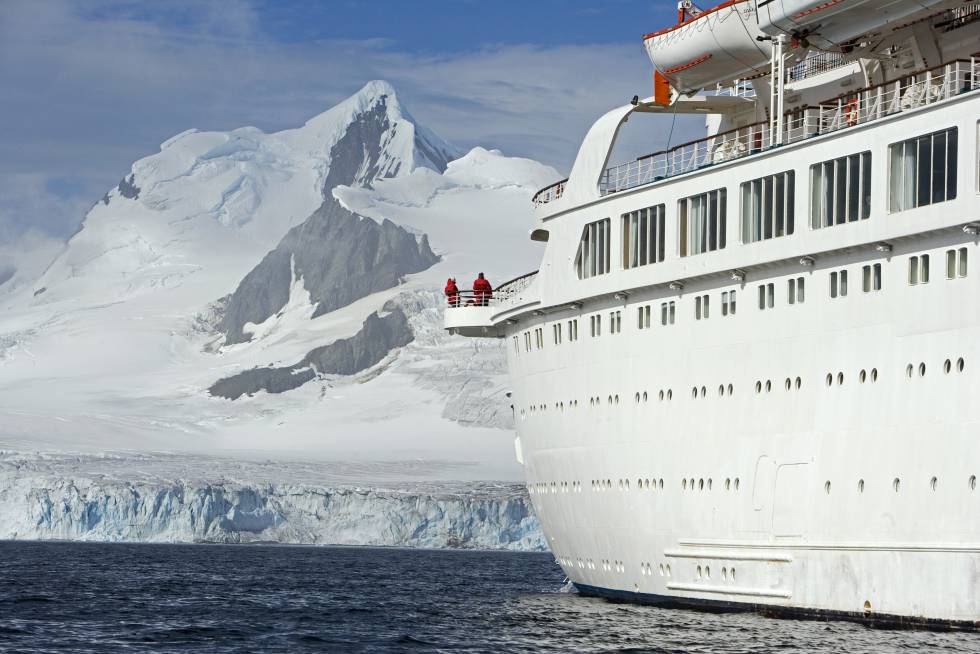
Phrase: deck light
(972, 228)
(622, 295)
(806, 261)
(883, 247)
(575, 305)
(675, 286)
(738, 275)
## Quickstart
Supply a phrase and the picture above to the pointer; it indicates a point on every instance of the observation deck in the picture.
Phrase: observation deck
(474, 312)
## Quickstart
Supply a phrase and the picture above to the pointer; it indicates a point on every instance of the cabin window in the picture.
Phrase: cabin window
(517, 347)
(956, 263)
(728, 303)
(923, 170)
(767, 296)
(596, 324)
(643, 317)
(838, 284)
(539, 337)
(667, 313)
(919, 270)
(840, 190)
(643, 237)
(593, 250)
(573, 330)
(767, 207)
(871, 278)
(615, 322)
(702, 223)
(556, 333)
(701, 307)
(527, 341)
(795, 290)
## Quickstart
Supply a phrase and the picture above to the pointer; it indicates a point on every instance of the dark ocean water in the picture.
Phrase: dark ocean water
(63, 597)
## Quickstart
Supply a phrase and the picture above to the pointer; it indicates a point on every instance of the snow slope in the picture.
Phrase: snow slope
(116, 345)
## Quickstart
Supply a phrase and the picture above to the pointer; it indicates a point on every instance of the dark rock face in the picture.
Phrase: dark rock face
(127, 188)
(377, 337)
(340, 256)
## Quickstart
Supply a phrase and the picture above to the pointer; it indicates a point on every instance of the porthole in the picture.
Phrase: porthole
(721, 390)
(646, 482)
(863, 376)
(617, 400)
(699, 573)
(768, 385)
(730, 389)
(789, 384)
(661, 484)
(691, 483)
(637, 398)
(826, 487)
(645, 398)
(683, 484)
(840, 379)
(731, 573)
(960, 364)
(896, 484)
(874, 375)
(661, 569)
(728, 484)
(704, 391)
(670, 394)
(700, 484)
(947, 366)
(709, 483)
(799, 383)
(909, 370)
(668, 569)
(860, 485)
(737, 483)
(922, 370)
(758, 387)
(707, 572)
(933, 483)
(830, 379)
(661, 396)
(694, 392)
(724, 574)
(973, 482)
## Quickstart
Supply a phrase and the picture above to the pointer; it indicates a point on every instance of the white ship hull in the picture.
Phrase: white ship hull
(811, 452)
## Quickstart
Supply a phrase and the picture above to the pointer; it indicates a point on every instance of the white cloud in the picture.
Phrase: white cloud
(89, 90)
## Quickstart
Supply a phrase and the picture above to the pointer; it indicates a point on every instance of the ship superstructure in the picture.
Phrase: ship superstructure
(747, 372)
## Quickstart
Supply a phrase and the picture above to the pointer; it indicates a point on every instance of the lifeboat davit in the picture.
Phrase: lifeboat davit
(829, 23)
(717, 45)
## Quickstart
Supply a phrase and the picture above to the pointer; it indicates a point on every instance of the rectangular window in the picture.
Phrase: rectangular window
(615, 322)
(795, 290)
(728, 303)
(556, 333)
(701, 307)
(596, 325)
(922, 171)
(527, 341)
(643, 317)
(871, 278)
(643, 237)
(667, 313)
(767, 296)
(919, 270)
(767, 207)
(572, 330)
(517, 348)
(956, 263)
(840, 190)
(593, 250)
(702, 223)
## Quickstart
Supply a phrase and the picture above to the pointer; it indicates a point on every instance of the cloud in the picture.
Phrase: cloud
(88, 89)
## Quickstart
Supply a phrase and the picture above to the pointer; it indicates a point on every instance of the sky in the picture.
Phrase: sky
(90, 86)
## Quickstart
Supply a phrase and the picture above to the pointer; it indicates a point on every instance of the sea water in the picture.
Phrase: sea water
(81, 597)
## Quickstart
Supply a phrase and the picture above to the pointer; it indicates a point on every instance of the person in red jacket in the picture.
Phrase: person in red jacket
(452, 292)
(482, 290)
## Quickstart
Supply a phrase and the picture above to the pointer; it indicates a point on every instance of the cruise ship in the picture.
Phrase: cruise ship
(747, 372)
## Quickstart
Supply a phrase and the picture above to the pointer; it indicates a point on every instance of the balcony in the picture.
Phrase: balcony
(549, 193)
(472, 312)
(843, 112)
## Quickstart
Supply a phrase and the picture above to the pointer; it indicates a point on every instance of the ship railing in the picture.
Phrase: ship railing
(549, 193)
(849, 110)
(816, 64)
(505, 294)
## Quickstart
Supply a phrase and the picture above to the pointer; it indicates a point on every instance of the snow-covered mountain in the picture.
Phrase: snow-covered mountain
(277, 293)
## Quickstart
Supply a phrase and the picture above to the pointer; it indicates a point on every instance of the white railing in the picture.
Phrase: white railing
(505, 294)
(549, 193)
(817, 63)
(855, 108)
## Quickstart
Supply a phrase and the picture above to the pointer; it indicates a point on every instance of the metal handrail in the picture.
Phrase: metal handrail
(848, 110)
(549, 193)
(503, 294)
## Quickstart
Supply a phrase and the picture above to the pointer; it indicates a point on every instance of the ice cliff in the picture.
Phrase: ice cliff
(66, 497)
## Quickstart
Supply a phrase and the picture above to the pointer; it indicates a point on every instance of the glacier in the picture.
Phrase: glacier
(170, 498)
